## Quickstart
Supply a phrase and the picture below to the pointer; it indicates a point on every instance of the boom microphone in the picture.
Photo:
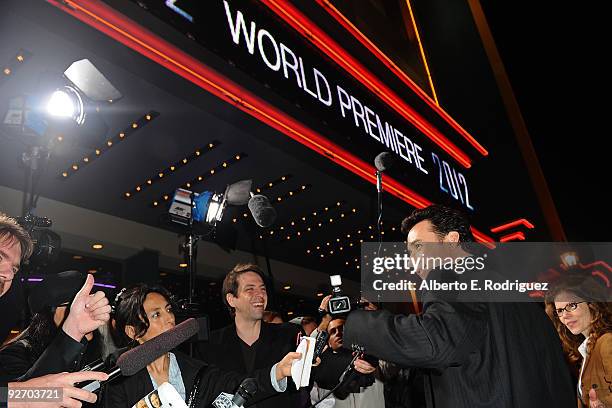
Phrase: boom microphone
(134, 360)
(262, 211)
(384, 161)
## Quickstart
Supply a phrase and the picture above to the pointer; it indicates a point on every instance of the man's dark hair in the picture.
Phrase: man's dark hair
(129, 311)
(443, 220)
(230, 283)
(11, 231)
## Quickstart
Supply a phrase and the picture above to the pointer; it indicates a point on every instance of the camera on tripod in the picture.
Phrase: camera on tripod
(340, 304)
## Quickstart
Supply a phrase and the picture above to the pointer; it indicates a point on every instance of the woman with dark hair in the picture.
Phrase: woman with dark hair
(580, 310)
(62, 333)
(141, 313)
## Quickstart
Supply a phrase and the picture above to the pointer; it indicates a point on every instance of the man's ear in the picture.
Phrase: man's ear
(231, 299)
(130, 331)
(452, 236)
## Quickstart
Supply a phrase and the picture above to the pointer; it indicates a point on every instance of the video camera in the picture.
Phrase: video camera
(340, 304)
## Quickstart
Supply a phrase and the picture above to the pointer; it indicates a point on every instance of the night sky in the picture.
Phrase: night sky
(554, 58)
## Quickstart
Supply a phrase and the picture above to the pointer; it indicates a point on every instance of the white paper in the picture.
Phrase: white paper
(165, 396)
(300, 369)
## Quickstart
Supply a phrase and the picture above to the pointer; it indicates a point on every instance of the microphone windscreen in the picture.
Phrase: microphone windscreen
(249, 385)
(139, 357)
(384, 161)
(247, 389)
(262, 211)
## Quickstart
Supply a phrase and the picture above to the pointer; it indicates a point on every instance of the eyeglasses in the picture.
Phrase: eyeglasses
(570, 307)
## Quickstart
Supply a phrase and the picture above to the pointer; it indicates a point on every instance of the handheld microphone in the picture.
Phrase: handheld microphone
(134, 360)
(320, 343)
(262, 211)
(246, 390)
(110, 361)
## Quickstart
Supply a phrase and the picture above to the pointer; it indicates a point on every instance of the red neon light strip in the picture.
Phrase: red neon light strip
(599, 263)
(512, 224)
(602, 276)
(515, 236)
(322, 41)
(365, 41)
(115, 25)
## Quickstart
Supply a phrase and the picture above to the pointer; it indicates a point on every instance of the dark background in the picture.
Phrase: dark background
(554, 54)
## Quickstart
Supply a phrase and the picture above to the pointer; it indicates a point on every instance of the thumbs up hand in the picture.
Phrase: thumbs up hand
(87, 311)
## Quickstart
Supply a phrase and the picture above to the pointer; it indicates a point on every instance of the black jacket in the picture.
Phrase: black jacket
(127, 391)
(19, 361)
(333, 364)
(476, 355)
(275, 341)
(12, 307)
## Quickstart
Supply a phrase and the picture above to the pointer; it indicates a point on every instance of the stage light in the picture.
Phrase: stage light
(214, 211)
(207, 207)
(569, 259)
(60, 104)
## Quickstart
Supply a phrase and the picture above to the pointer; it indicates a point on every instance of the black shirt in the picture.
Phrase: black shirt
(249, 353)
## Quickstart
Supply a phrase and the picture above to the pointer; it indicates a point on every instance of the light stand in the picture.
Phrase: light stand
(33, 159)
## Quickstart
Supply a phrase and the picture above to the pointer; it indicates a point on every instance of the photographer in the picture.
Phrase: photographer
(473, 354)
(60, 336)
(15, 248)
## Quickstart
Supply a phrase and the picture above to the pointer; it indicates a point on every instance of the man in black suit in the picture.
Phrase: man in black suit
(502, 355)
(250, 343)
(15, 248)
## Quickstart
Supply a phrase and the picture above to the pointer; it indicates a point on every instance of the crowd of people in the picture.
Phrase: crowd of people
(451, 354)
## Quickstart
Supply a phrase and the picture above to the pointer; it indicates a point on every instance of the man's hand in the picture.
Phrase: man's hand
(283, 368)
(325, 303)
(327, 318)
(71, 396)
(87, 312)
(364, 367)
(594, 401)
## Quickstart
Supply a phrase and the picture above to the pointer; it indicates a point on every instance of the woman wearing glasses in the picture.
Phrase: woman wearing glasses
(580, 310)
